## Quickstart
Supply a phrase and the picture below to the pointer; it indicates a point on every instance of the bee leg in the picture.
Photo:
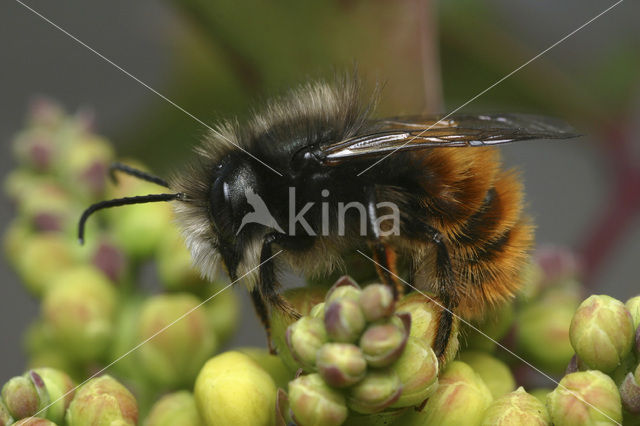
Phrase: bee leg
(263, 313)
(266, 292)
(383, 254)
(446, 291)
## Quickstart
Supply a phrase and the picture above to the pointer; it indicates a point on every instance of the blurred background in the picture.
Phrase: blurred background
(219, 59)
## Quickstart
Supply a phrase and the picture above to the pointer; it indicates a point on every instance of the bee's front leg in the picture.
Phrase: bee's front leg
(383, 254)
(266, 296)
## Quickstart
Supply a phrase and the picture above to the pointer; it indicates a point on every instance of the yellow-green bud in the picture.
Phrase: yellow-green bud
(633, 306)
(495, 373)
(541, 394)
(5, 417)
(223, 312)
(231, 389)
(630, 392)
(59, 388)
(79, 310)
(417, 369)
(382, 344)
(543, 333)
(341, 364)
(317, 311)
(272, 364)
(585, 397)
(495, 324)
(516, 408)
(377, 302)
(178, 408)
(557, 263)
(304, 338)
(44, 257)
(174, 357)
(103, 401)
(344, 288)
(424, 322)
(344, 320)
(86, 166)
(377, 391)
(461, 398)
(22, 396)
(602, 332)
(313, 402)
(36, 149)
(34, 421)
(173, 260)
(138, 229)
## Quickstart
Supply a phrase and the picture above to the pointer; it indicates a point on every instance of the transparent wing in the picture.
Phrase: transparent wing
(420, 132)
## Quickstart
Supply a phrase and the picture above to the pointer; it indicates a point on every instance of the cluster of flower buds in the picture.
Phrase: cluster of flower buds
(360, 352)
(93, 308)
(42, 392)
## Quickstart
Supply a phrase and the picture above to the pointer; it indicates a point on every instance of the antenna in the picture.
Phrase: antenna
(151, 198)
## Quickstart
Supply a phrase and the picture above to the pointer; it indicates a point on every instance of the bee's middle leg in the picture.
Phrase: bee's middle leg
(383, 254)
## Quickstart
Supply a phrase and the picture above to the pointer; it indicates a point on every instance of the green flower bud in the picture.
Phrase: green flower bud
(231, 389)
(585, 397)
(138, 229)
(272, 364)
(303, 299)
(317, 311)
(223, 312)
(344, 320)
(377, 391)
(14, 240)
(86, 166)
(630, 393)
(557, 263)
(377, 302)
(110, 259)
(602, 332)
(45, 113)
(24, 396)
(633, 306)
(173, 409)
(36, 149)
(417, 369)
(313, 402)
(495, 324)
(304, 338)
(531, 276)
(344, 288)
(34, 421)
(44, 258)
(493, 372)
(541, 394)
(46, 207)
(79, 311)
(543, 334)
(424, 322)
(59, 388)
(174, 357)
(5, 417)
(516, 408)
(382, 344)
(173, 260)
(341, 364)
(461, 399)
(103, 401)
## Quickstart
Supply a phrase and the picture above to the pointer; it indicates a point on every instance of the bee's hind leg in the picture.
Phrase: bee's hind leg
(446, 291)
(383, 254)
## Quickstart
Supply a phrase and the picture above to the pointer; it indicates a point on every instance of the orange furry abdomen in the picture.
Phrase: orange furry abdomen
(478, 208)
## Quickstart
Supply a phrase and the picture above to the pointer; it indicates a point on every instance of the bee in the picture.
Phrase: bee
(313, 176)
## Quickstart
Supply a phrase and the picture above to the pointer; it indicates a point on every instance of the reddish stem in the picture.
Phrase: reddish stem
(621, 209)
